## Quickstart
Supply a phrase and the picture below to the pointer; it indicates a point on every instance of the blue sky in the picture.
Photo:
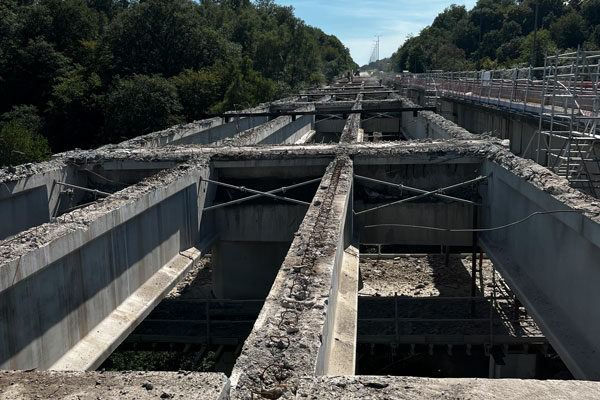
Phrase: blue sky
(356, 22)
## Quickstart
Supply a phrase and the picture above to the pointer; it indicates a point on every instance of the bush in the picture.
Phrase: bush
(18, 145)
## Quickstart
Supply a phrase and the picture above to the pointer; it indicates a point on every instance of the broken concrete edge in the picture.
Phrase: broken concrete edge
(257, 134)
(126, 385)
(489, 148)
(129, 385)
(38, 247)
(442, 124)
(350, 133)
(398, 387)
(9, 176)
(287, 338)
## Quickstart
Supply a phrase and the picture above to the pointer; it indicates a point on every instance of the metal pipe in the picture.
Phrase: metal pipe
(415, 190)
(255, 196)
(96, 192)
(438, 191)
(245, 189)
(474, 255)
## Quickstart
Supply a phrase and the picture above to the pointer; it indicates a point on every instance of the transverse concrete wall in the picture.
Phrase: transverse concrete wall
(33, 200)
(438, 214)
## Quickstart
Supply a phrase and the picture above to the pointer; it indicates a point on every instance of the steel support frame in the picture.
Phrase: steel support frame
(425, 194)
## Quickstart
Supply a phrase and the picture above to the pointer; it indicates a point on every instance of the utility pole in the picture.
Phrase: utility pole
(535, 28)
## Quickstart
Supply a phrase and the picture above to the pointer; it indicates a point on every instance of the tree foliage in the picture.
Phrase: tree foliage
(20, 145)
(96, 71)
(500, 33)
(140, 104)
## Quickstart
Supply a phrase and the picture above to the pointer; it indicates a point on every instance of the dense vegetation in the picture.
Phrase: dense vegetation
(499, 33)
(80, 73)
(384, 64)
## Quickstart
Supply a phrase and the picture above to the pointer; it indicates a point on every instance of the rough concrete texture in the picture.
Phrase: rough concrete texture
(438, 124)
(10, 175)
(287, 336)
(21, 385)
(255, 135)
(282, 353)
(81, 219)
(350, 133)
(405, 388)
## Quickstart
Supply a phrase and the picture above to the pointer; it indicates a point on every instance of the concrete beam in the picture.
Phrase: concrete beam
(556, 277)
(341, 359)
(91, 261)
(294, 332)
(91, 351)
(412, 388)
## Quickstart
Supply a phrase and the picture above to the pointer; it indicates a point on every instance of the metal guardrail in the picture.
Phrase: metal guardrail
(563, 95)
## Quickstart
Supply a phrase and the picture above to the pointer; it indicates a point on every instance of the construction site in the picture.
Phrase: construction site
(414, 237)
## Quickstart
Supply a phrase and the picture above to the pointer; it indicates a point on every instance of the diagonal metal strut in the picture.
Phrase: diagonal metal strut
(425, 194)
(258, 193)
(415, 190)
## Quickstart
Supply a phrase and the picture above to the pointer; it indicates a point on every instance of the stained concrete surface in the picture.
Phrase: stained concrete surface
(405, 388)
(263, 367)
(49, 385)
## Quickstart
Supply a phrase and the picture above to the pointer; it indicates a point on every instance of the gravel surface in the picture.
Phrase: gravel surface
(421, 276)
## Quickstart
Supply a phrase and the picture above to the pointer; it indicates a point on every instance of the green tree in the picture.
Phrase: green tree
(29, 73)
(415, 61)
(139, 105)
(451, 58)
(72, 22)
(590, 10)
(18, 145)
(248, 88)
(165, 37)
(74, 111)
(509, 51)
(25, 115)
(199, 90)
(544, 46)
(568, 31)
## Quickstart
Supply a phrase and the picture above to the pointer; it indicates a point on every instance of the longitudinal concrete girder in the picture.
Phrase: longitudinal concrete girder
(68, 303)
(295, 331)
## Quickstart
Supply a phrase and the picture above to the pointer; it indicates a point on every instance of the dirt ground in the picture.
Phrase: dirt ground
(422, 276)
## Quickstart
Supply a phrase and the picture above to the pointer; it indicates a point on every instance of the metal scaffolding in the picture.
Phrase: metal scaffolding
(570, 107)
(562, 95)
